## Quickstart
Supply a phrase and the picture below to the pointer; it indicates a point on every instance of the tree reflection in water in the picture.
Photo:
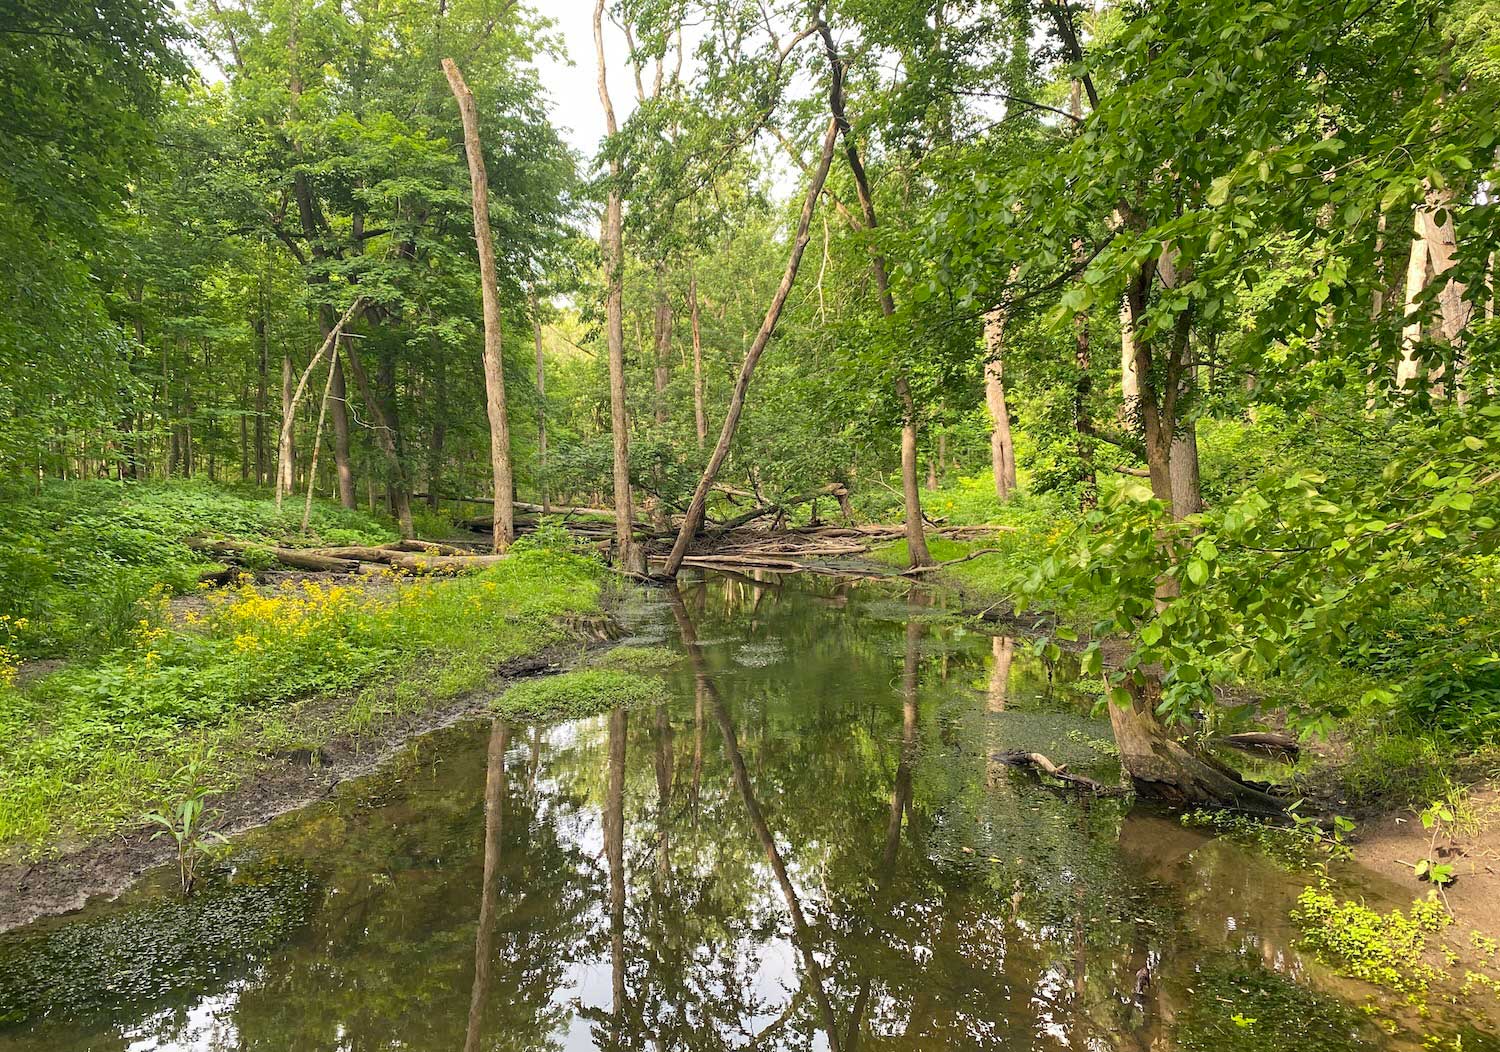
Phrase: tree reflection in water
(807, 848)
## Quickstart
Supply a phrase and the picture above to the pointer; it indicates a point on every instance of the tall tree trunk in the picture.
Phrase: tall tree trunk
(286, 452)
(339, 407)
(916, 540)
(1410, 368)
(385, 438)
(1002, 447)
(661, 339)
(693, 519)
(435, 448)
(261, 401)
(700, 418)
(494, 374)
(612, 244)
(244, 415)
(541, 404)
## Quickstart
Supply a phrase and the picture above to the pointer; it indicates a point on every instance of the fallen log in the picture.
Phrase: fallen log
(297, 558)
(1037, 762)
(918, 570)
(1271, 742)
(362, 553)
(430, 547)
(445, 563)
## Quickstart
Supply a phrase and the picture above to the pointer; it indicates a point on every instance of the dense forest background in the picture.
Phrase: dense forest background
(1195, 298)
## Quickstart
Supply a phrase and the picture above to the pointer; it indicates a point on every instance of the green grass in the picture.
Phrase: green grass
(87, 749)
(1028, 527)
(583, 692)
(78, 559)
(637, 659)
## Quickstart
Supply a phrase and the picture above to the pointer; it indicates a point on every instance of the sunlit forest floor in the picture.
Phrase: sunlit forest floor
(125, 676)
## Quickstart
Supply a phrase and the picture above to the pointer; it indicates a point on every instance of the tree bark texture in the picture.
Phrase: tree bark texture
(1002, 446)
(612, 244)
(489, 283)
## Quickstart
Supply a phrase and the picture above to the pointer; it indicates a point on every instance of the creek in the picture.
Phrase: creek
(810, 847)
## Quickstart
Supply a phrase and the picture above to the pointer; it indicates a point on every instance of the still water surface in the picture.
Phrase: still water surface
(808, 848)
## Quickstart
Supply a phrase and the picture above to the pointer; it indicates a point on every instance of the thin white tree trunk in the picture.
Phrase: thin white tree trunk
(289, 404)
(312, 469)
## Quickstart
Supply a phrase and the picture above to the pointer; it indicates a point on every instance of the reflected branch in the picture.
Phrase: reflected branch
(802, 936)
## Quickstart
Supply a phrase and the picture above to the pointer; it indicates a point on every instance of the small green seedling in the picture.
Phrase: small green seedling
(1436, 817)
(185, 820)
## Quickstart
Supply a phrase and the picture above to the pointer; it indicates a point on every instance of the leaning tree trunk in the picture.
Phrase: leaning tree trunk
(612, 243)
(494, 373)
(694, 517)
(291, 396)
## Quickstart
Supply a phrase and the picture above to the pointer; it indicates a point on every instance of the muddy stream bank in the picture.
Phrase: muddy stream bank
(809, 847)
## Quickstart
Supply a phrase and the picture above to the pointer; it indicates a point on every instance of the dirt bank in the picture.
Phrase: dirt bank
(1391, 844)
(280, 783)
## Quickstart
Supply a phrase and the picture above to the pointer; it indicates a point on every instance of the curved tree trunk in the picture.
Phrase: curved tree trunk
(1165, 769)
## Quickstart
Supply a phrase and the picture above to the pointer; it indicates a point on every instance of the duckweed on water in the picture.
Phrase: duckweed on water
(152, 954)
(575, 695)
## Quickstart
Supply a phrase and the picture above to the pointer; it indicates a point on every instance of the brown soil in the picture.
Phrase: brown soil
(281, 783)
(1393, 843)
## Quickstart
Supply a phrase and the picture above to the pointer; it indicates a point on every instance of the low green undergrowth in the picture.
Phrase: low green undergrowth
(1028, 528)
(91, 747)
(1387, 949)
(79, 560)
(581, 693)
(637, 659)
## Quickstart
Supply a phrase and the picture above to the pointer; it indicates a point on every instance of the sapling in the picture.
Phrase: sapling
(185, 820)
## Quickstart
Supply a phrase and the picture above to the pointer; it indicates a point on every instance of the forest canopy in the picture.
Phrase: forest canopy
(1196, 294)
